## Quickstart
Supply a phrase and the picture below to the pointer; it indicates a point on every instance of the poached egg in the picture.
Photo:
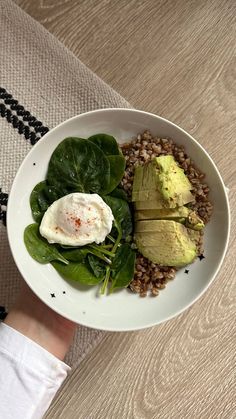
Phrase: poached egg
(77, 219)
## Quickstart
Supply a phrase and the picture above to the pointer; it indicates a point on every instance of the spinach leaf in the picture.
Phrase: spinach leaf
(121, 213)
(79, 254)
(79, 272)
(110, 148)
(119, 193)
(122, 270)
(38, 248)
(97, 266)
(106, 143)
(104, 286)
(75, 255)
(117, 168)
(89, 256)
(78, 165)
(41, 197)
(36, 209)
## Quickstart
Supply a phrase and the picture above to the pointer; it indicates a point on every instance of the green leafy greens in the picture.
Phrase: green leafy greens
(93, 165)
(78, 272)
(106, 143)
(109, 146)
(78, 165)
(39, 248)
(122, 268)
(42, 196)
(121, 213)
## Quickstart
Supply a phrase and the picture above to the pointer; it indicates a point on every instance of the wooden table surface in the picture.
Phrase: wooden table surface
(176, 59)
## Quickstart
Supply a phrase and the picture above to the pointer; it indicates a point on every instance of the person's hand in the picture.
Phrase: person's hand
(31, 317)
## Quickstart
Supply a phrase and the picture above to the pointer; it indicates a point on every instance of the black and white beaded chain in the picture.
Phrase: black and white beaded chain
(25, 123)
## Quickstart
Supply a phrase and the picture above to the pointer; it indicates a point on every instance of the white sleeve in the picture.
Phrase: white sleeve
(29, 376)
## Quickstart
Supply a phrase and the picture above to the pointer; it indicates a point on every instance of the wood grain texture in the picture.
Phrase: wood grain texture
(176, 59)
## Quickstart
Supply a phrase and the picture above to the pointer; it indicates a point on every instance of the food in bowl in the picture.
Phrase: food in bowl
(84, 212)
(83, 223)
(149, 276)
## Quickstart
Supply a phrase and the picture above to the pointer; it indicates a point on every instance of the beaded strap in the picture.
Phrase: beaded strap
(25, 123)
(20, 118)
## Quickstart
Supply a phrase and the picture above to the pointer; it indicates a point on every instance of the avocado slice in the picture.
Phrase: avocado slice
(163, 181)
(174, 184)
(149, 204)
(177, 214)
(165, 242)
(145, 185)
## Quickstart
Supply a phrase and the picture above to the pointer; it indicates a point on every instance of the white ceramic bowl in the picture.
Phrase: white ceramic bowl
(122, 310)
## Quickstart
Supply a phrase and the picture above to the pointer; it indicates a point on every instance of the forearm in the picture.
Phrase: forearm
(31, 317)
(31, 350)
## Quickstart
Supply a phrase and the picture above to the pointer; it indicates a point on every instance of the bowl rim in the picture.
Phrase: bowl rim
(228, 218)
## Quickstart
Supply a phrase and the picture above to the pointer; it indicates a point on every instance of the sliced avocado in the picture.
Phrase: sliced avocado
(163, 181)
(174, 184)
(179, 213)
(165, 242)
(145, 185)
(149, 204)
(194, 221)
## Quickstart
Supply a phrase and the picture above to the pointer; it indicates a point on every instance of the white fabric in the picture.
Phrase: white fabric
(29, 376)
